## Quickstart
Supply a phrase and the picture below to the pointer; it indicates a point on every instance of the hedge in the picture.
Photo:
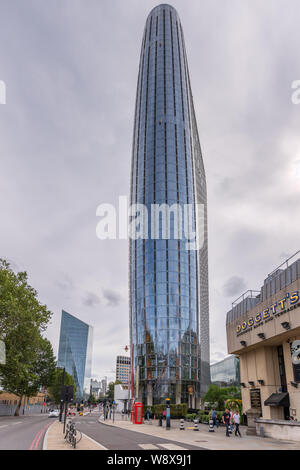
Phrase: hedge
(177, 411)
(191, 416)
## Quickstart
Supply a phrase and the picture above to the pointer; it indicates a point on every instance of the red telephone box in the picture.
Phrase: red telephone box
(138, 413)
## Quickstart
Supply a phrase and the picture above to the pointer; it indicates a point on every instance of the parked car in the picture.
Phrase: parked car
(53, 414)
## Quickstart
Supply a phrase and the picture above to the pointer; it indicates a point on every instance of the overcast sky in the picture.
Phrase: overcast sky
(70, 67)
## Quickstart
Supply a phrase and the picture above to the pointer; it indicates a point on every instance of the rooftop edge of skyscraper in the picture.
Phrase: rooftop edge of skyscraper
(161, 6)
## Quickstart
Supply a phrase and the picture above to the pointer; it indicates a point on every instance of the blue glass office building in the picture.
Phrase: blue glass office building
(226, 373)
(75, 352)
(169, 310)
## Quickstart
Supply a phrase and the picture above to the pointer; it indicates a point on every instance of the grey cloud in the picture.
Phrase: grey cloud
(66, 136)
(217, 356)
(112, 297)
(234, 286)
(65, 283)
(91, 299)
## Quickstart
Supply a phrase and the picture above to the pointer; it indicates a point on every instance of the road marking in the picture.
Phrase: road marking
(4, 426)
(37, 438)
(18, 422)
(171, 446)
(95, 442)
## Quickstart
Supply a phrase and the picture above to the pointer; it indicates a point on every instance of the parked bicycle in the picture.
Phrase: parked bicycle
(71, 434)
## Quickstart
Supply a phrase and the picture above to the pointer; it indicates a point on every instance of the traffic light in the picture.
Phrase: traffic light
(67, 392)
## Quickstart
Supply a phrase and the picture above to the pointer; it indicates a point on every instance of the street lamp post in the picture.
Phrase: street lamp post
(168, 414)
(61, 399)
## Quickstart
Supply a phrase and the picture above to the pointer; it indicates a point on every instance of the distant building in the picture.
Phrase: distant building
(121, 396)
(95, 388)
(168, 281)
(226, 373)
(75, 352)
(12, 399)
(123, 369)
(104, 386)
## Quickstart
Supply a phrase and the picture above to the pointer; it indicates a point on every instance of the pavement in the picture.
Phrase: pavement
(203, 439)
(54, 440)
(23, 432)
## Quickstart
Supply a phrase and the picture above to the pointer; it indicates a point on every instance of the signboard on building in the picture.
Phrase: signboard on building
(295, 352)
(255, 398)
(289, 302)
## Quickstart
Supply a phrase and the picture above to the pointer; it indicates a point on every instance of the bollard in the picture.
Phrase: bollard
(196, 428)
(181, 427)
(211, 426)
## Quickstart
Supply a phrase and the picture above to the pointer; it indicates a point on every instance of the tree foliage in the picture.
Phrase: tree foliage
(55, 388)
(217, 395)
(30, 362)
(92, 400)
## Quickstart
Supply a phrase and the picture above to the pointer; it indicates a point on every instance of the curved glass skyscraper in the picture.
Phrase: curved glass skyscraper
(169, 313)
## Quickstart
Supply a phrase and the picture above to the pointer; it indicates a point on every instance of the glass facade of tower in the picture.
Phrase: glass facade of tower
(169, 313)
(226, 373)
(75, 352)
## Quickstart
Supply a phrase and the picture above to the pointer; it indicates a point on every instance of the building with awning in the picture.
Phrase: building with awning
(263, 331)
(278, 399)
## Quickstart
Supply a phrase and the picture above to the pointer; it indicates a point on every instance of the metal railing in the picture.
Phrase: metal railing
(9, 409)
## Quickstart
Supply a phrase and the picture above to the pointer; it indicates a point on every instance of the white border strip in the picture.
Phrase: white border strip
(95, 442)
(46, 437)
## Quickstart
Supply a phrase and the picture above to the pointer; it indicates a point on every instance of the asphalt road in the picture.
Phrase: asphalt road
(114, 438)
(23, 432)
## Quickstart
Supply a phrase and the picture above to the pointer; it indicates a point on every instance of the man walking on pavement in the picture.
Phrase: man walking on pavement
(214, 417)
(226, 420)
(237, 420)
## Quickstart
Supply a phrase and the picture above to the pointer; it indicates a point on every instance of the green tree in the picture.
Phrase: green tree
(92, 400)
(217, 395)
(30, 362)
(55, 388)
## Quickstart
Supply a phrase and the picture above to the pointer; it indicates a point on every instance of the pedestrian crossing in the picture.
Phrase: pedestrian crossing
(167, 446)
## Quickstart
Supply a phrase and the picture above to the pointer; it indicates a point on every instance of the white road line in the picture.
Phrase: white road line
(3, 426)
(171, 447)
(18, 422)
(95, 442)
(148, 446)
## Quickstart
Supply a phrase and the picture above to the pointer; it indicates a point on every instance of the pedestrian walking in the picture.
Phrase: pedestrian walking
(237, 420)
(226, 418)
(148, 415)
(214, 417)
(231, 422)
